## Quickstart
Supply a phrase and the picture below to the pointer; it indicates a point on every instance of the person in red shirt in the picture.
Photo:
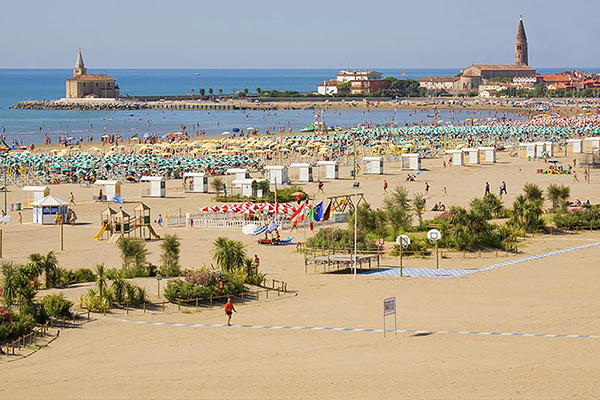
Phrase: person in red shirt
(229, 309)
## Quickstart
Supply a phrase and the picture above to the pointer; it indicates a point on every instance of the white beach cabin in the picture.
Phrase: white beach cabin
(46, 209)
(472, 156)
(244, 187)
(574, 146)
(277, 174)
(153, 186)
(590, 144)
(34, 193)
(305, 172)
(329, 169)
(457, 156)
(111, 190)
(373, 165)
(240, 173)
(195, 182)
(527, 150)
(540, 149)
(411, 161)
(488, 155)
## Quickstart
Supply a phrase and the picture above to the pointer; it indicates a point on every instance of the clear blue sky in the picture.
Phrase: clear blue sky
(295, 34)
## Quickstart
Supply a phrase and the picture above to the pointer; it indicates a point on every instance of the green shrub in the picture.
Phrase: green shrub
(204, 283)
(169, 258)
(588, 216)
(21, 325)
(57, 306)
(327, 238)
(418, 247)
(73, 277)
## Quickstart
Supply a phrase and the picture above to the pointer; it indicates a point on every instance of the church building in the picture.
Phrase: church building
(83, 85)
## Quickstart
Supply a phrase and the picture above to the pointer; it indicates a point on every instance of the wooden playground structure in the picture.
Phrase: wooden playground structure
(345, 203)
(117, 224)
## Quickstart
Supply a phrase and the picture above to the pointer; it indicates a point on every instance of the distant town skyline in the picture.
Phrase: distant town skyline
(309, 34)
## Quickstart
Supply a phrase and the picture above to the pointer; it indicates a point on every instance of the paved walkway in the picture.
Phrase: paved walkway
(453, 273)
(353, 330)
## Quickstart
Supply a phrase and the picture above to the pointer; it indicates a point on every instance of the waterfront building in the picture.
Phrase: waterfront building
(83, 85)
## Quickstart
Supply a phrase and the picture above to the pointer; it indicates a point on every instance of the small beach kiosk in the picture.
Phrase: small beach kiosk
(111, 190)
(240, 173)
(574, 146)
(411, 161)
(195, 182)
(244, 187)
(153, 186)
(590, 144)
(46, 210)
(527, 150)
(32, 194)
(472, 156)
(305, 172)
(488, 154)
(277, 174)
(456, 156)
(329, 169)
(373, 165)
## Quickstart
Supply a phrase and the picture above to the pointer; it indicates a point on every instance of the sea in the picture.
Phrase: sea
(31, 126)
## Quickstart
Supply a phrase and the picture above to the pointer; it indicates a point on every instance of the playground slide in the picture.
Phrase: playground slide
(102, 229)
(153, 232)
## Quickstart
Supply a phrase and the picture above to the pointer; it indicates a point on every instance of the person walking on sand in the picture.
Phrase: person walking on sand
(71, 199)
(320, 186)
(575, 178)
(503, 188)
(229, 309)
(487, 188)
(427, 187)
(385, 186)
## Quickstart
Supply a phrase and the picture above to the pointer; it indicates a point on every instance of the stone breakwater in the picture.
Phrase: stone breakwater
(126, 105)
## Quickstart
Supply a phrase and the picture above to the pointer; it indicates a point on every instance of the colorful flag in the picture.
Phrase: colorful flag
(327, 213)
(298, 216)
(318, 212)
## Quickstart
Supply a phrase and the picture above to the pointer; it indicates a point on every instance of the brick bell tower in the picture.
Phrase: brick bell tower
(521, 56)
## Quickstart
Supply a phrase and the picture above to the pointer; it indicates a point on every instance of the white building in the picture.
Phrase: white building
(328, 88)
(357, 75)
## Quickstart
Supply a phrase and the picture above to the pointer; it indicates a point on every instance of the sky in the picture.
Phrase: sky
(200, 34)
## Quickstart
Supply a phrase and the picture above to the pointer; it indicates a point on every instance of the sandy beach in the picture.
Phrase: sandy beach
(114, 356)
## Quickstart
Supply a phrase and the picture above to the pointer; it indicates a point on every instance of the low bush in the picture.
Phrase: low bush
(588, 216)
(73, 277)
(204, 283)
(21, 325)
(57, 306)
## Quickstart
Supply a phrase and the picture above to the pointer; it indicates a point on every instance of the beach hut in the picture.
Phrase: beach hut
(277, 174)
(527, 150)
(590, 144)
(329, 169)
(472, 156)
(111, 190)
(305, 172)
(488, 154)
(373, 165)
(574, 146)
(195, 182)
(240, 173)
(244, 187)
(540, 149)
(153, 186)
(457, 157)
(46, 210)
(34, 193)
(411, 161)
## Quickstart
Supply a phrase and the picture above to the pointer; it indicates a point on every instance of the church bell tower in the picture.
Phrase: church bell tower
(521, 56)
(80, 68)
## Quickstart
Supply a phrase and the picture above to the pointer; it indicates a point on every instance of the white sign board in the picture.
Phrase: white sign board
(403, 240)
(434, 235)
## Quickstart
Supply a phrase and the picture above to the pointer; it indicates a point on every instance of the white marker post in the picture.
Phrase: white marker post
(434, 235)
(389, 308)
(402, 241)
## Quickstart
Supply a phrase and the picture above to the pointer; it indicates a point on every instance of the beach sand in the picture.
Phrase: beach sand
(108, 358)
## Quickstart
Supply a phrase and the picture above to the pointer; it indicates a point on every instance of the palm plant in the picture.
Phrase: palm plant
(47, 264)
(418, 205)
(397, 208)
(228, 254)
(118, 287)
(133, 254)
(101, 278)
(558, 196)
(169, 257)
(527, 214)
(533, 192)
(218, 185)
